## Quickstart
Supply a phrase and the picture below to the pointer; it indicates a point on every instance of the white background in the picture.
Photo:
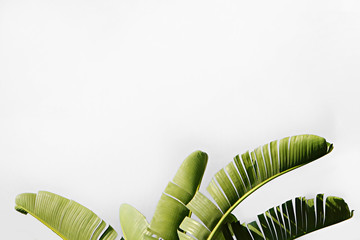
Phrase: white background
(100, 101)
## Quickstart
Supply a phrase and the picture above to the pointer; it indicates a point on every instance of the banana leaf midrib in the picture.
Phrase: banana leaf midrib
(45, 223)
(217, 226)
(329, 148)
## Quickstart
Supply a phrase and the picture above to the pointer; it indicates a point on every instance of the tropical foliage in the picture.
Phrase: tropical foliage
(230, 186)
(65, 217)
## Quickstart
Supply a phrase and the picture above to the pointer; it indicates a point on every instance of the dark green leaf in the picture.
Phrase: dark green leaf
(304, 222)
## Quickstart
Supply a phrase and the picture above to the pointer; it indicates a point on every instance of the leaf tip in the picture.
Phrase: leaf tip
(21, 210)
(330, 147)
(202, 155)
(25, 202)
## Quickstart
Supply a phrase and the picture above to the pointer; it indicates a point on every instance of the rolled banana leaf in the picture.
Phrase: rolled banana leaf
(171, 208)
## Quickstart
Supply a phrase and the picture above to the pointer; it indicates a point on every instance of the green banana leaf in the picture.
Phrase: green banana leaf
(133, 223)
(171, 208)
(246, 174)
(291, 220)
(67, 218)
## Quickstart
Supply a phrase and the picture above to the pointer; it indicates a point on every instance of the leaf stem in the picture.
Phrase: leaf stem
(216, 228)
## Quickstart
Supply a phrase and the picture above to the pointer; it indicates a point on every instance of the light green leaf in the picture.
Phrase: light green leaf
(302, 215)
(133, 223)
(171, 208)
(194, 227)
(248, 172)
(67, 218)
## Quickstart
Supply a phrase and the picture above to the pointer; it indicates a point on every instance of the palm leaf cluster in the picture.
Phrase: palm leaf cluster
(214, 219)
